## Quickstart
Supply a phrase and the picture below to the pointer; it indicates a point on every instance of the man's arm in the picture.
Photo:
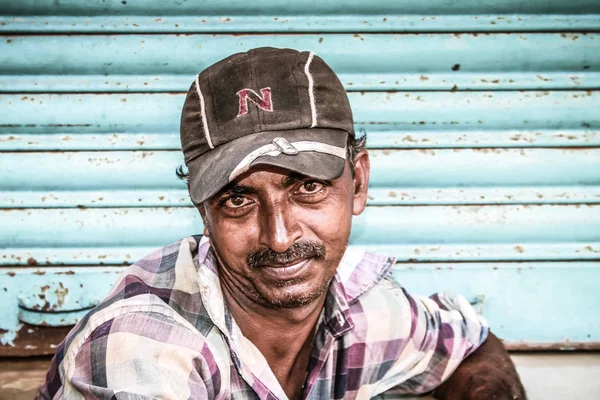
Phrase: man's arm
(488, 373)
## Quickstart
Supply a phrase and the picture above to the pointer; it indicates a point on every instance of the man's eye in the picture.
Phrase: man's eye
(236, 201)
(310, 187)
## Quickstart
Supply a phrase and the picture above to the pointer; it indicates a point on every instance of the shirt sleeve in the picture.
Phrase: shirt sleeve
(444, 330)
(140, 355)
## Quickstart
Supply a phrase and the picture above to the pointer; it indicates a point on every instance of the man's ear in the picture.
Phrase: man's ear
(362, 168)
(202, 209)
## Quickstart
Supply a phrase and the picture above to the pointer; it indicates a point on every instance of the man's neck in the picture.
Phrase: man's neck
(284, 336)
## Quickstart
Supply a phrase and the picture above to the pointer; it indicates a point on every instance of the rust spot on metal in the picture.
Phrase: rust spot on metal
(320, 40)
(10, 273)
(38, 272)
(454, 88)
(519, 249)
(69, 272)
(392, 193)
(423, 78)
(61, 293)
(590, 248)
(31, 261)
(455, 67)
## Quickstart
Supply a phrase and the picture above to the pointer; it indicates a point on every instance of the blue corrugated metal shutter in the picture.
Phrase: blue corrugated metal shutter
(483, 123)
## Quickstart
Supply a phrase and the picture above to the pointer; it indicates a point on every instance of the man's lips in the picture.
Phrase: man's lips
(286, 271)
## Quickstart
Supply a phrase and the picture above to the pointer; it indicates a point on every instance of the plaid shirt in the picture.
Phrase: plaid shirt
(165, 332)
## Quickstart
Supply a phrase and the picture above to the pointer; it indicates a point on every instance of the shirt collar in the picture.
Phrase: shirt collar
(358, 272)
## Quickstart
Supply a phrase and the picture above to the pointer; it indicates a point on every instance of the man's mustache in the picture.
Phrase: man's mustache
(305, 249)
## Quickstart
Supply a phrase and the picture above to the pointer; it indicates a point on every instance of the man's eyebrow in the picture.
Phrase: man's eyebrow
(235, 189)
(292, 178)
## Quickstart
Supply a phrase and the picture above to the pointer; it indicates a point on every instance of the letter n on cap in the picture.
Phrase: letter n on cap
(263, 102)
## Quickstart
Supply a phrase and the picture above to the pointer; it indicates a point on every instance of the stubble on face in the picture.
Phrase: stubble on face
(309, 250)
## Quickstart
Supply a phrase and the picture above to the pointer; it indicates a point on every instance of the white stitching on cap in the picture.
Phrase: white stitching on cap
(273, 151)
(311, 92)
(203, 113)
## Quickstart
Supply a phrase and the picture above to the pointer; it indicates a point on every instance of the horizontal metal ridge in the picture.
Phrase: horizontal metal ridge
(432, 233)
(424, 21)
(298, 7)
(380, 136)
(409, 62)
(396, 119)
(398, 177)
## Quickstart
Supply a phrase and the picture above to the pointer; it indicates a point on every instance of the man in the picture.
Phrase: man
(270, 302)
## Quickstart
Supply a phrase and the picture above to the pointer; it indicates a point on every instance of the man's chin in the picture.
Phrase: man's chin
(287, 298)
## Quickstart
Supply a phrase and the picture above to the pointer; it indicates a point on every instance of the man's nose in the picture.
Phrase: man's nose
(279, 227)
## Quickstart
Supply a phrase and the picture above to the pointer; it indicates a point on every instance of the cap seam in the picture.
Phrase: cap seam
(203, 113)
(311, 90)
(257, 117)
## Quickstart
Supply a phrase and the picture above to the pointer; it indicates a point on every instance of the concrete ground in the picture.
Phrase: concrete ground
(546, 376)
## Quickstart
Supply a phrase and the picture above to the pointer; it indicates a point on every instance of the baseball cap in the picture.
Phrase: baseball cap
(266, 106)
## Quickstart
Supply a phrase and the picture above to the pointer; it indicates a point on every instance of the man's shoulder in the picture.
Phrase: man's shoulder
(131, 339)
(160, 290)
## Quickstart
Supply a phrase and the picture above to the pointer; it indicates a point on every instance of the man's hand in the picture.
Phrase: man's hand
(486, 374)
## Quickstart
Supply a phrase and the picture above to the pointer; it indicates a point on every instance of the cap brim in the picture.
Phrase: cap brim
(210, 172)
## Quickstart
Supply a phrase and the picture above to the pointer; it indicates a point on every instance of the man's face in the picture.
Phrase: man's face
(279, 236)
